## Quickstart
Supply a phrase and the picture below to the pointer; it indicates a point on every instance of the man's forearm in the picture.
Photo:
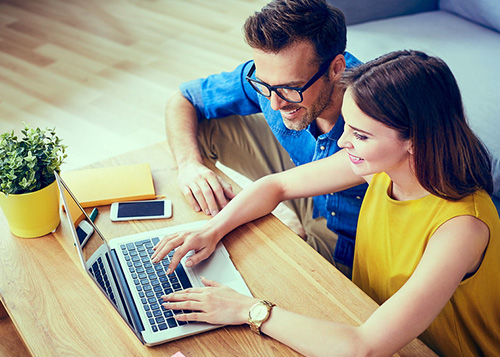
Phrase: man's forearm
(181, 125)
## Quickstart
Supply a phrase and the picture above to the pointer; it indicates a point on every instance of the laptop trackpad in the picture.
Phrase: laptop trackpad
(218, 267)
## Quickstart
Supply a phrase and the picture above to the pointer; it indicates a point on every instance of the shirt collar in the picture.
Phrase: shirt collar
(333, 134)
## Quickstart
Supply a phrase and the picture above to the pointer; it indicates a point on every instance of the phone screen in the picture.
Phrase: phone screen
(81, 234)
(140, 209)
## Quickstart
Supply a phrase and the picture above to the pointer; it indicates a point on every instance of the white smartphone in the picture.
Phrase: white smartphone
(84, 231)
(132, 210)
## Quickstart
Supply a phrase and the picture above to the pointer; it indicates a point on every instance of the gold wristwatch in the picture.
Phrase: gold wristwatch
(258, 314)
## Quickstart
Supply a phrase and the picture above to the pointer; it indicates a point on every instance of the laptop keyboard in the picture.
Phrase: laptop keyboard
(152, 281)
(99, 273)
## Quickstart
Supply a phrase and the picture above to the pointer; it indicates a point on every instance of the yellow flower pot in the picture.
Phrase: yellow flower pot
(32, 214)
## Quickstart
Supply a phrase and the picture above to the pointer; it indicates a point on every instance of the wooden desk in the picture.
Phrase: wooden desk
(51, 301)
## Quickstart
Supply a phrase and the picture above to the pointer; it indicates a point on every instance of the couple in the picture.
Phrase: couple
(428, 237)
(427, 242)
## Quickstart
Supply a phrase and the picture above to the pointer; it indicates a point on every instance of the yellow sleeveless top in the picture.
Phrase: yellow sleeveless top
(390, 241)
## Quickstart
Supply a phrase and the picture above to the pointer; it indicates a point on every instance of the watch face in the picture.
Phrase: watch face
(259, 312)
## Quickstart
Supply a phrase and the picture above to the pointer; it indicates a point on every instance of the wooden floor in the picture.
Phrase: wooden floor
(10, 343)
(101, 71)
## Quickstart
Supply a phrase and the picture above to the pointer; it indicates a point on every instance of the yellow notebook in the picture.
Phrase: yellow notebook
(103, 186)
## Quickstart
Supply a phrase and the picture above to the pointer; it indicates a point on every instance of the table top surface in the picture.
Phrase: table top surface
(52, 301)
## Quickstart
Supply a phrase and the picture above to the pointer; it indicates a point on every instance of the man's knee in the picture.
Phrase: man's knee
(243, 143)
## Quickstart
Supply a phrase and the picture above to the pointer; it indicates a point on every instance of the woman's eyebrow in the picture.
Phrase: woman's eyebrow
(360, 130)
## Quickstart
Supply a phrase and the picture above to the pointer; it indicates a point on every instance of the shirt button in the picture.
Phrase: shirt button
(333, 214)
(322, 147)
(332, 193)
(358, 197)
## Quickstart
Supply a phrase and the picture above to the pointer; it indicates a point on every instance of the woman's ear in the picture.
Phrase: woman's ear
(410, 148)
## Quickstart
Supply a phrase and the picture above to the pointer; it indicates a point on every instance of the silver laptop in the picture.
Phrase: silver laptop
(122, 269)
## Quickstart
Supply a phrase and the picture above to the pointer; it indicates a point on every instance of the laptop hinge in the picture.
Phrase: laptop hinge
(138, 327)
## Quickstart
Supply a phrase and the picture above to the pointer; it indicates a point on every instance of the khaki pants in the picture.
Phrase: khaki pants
(247, 145)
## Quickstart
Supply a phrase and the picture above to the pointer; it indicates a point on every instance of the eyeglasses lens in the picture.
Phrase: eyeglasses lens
(262, 89)
(290, 95)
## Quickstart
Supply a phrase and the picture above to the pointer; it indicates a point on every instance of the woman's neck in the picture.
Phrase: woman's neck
(405, 185)
(406, 188)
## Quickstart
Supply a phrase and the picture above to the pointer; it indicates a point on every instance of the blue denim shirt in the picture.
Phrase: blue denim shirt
(229, 93)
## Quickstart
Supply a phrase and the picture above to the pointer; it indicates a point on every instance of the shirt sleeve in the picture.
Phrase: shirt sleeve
(223, 94)
(351, 61)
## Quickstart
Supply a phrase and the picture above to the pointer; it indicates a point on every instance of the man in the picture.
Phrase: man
(292, 89)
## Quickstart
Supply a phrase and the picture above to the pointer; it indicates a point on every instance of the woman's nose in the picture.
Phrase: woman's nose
(343, 142)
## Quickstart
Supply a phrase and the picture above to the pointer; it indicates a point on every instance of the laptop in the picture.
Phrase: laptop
(122, 269)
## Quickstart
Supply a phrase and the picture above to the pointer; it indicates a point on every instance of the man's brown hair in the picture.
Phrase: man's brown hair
(282, 23)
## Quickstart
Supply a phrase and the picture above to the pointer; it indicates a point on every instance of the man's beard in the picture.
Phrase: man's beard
(312, 113)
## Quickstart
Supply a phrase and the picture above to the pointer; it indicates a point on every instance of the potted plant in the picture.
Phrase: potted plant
(28, 192)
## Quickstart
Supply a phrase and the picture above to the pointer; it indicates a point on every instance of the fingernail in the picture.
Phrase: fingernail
(189, 263)
(214, 212)
(197, 209)
(169, 271)
(207, 212)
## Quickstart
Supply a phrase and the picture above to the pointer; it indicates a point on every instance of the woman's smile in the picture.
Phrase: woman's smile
(355, 159)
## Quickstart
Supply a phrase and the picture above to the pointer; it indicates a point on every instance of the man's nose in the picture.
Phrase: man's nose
(276, 102)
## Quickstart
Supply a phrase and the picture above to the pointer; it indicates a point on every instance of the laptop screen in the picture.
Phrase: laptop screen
(94, 253)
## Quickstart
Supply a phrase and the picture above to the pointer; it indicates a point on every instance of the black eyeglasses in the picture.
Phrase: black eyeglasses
(290, 94)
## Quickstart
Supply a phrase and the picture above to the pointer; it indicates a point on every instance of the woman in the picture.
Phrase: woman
(428, 240)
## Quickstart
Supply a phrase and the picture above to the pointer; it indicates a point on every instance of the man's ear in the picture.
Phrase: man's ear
(337, 67)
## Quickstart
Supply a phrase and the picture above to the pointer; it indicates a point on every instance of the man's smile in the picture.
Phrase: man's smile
(290, 113)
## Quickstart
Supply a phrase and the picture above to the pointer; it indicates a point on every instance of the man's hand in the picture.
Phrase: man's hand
(203, 189)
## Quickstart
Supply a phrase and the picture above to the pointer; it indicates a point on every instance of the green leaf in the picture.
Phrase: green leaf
(27, 163)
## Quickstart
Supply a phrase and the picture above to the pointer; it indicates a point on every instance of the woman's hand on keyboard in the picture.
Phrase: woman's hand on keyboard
(202, 241)
(214, 303)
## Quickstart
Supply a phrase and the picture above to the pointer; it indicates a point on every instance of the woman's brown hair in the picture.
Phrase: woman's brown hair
(418, 96)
